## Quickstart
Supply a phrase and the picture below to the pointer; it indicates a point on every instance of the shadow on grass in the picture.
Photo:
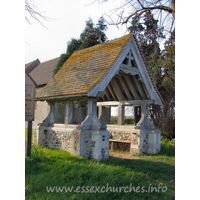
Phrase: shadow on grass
(57, 168)
(167, 150)
(155, 170)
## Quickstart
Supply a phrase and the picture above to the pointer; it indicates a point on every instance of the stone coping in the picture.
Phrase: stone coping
(60, 125)
(122, 141)
(120, 127)
(109, 127)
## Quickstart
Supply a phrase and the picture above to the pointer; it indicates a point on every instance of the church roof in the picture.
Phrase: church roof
(41, 72)
(85, 71)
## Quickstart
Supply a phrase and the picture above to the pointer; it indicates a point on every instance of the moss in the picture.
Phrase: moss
(84, 69)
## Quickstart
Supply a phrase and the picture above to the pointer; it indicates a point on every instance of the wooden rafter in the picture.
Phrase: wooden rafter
(120, 78)
(108, 95)
(138, 85)
(112, 92)
(132, 88)
(117, 90)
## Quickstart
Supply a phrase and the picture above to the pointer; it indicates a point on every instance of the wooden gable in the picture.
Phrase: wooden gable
(112, 71)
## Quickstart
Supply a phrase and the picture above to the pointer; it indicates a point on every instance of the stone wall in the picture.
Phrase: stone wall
(62, 136)
(92, 144)
(120, 135)
(54, 137)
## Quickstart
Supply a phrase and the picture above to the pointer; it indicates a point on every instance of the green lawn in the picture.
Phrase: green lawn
(124, 124)
(58, 168)
(26, 134)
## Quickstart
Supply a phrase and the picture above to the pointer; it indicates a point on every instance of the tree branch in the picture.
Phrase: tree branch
(33, 13)
(140, 4)
(144, 9)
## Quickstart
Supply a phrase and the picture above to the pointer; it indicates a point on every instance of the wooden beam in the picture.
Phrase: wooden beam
(145, 89)
(125, 88)
(69, 112)
(133, 91)
(121, 114)
(112, 92)
(142, 94)
(133, 70)
(129, 58)
(117, 90)
(109, 97)
(126, 103)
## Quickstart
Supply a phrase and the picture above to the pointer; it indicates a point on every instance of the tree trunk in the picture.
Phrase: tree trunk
(137, 112)
(173, 8)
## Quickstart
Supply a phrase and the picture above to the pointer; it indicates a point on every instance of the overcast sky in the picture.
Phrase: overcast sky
(67, 19)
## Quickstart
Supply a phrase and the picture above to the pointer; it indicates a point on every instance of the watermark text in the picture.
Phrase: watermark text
(107, 188)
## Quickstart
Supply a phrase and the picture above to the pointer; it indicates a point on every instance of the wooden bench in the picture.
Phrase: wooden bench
(114, 144)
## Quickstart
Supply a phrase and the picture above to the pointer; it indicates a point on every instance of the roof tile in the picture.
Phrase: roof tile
(43, 72)
(84, 69)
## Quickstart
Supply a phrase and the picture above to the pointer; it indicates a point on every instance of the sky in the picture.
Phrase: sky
(14, 45)
(66, 20)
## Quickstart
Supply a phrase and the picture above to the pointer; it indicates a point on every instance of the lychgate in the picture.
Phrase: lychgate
(109, 74)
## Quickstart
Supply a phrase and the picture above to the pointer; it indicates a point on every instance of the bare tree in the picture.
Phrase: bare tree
(164, 10)
(33, 12)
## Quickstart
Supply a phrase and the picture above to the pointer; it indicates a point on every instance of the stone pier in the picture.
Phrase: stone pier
(114, 74)
(91, 139)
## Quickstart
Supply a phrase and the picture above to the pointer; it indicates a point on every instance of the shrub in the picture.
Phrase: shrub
(129, 120)
(114, 120)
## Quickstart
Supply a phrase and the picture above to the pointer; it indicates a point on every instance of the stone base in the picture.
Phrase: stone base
(53, 137)
(90, 144)
(145, 141)
(94, 144)
(120, 145)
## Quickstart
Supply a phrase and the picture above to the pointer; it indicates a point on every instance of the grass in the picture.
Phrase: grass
(58, 168)
(116, 123)
(26, 134)
(128, 120)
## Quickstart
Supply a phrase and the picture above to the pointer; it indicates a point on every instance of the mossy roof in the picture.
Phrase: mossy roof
(83, 70)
